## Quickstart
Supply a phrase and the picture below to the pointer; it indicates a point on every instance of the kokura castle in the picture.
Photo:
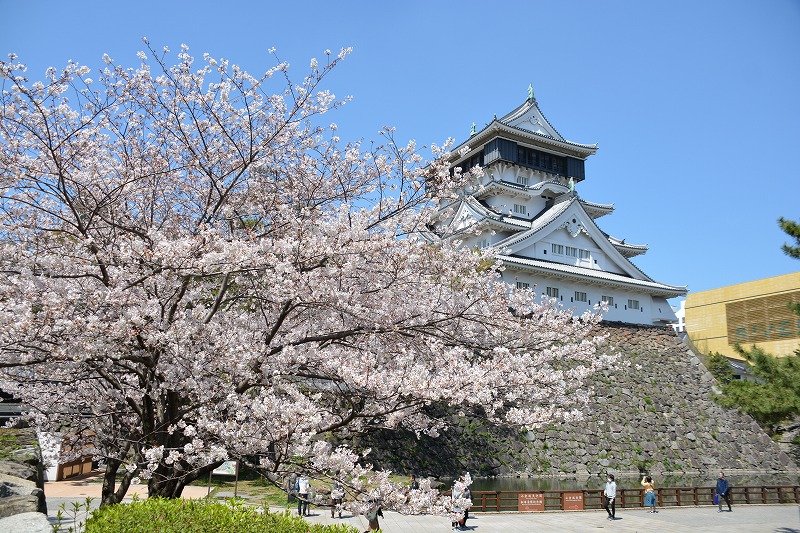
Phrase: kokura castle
(525, 204)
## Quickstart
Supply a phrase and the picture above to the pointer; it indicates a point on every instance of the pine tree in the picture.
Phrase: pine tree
(792, 229)
(720, 368)
(774, 396)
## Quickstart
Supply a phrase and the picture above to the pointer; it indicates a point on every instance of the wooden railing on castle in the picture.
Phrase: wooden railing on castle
(576, 500)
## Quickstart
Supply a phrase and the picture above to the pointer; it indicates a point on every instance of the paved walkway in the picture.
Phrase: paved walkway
(91, 486)
(743, 519)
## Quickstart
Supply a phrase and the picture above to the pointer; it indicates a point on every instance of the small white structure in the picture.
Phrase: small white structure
(53, 446)
(680, 315)
(50, 444)
(525, 205)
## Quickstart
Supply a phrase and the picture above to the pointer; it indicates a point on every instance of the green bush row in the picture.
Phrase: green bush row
(199, 516)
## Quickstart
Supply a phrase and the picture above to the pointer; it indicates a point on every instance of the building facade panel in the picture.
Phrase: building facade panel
(752, 313)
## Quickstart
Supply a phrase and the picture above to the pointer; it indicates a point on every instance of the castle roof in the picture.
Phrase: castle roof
(601, 277)
(536, 222)
(528, 124)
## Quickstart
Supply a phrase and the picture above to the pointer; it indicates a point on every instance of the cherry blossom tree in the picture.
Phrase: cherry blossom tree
(195, 268)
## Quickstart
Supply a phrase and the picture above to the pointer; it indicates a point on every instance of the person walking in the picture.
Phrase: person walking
(467, 496)
(462, 501)
(291, 488)
(372, 516)
(649, 493)
(610, 493)
(723, 490)
(302, 487)
(337, 498)
(458, 513)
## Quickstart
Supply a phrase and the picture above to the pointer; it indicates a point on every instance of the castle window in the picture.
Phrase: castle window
(535, 159)
(552, 292)
(557, 248)
(633, 304)
(608, 299)
(523, 285)
(577, 252)
(519, 209)
(580, 296)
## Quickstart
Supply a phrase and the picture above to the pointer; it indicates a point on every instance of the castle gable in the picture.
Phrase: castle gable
(530, 118)
(567, 234)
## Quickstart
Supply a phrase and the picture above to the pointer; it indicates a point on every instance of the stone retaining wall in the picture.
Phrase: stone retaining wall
(654, 413)
(21, 473)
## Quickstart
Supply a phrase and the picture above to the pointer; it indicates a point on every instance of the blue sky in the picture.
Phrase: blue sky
(695, 105)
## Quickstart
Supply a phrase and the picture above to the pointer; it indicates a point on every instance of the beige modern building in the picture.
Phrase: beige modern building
(749, 313)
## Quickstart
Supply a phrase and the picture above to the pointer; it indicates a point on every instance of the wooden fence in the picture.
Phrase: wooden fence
(559, 500)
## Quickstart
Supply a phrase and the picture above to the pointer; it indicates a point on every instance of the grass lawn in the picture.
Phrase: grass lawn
(12, 439)
(255, 491)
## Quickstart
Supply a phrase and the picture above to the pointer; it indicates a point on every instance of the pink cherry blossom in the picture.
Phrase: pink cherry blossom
(193, 270)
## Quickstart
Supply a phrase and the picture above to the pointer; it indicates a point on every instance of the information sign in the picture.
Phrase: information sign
(530, 501)
(572, 501)
(228, 468)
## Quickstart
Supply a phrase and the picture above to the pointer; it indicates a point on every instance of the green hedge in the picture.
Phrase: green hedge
(199, 516)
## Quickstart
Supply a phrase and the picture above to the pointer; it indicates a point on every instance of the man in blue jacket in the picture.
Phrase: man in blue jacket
(723, 491)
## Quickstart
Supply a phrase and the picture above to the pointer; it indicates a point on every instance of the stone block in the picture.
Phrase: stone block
(20, 470)
(12, 485)
(16, 504)
(19, 495)
(27, 522)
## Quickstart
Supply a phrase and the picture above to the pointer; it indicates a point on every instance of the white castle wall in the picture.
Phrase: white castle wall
(650, 309)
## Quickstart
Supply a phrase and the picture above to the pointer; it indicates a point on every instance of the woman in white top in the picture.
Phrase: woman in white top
(610, 494)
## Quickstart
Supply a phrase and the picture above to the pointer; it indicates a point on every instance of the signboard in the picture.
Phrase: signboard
(572, 501)
(228, 468)
(762, 319)
(530, 501)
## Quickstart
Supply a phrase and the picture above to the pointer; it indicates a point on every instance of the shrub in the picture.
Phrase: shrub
(199, 516)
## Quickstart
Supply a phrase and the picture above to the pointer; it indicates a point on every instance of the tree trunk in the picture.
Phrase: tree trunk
(169, 482)
(109, 496)
(165, 487)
